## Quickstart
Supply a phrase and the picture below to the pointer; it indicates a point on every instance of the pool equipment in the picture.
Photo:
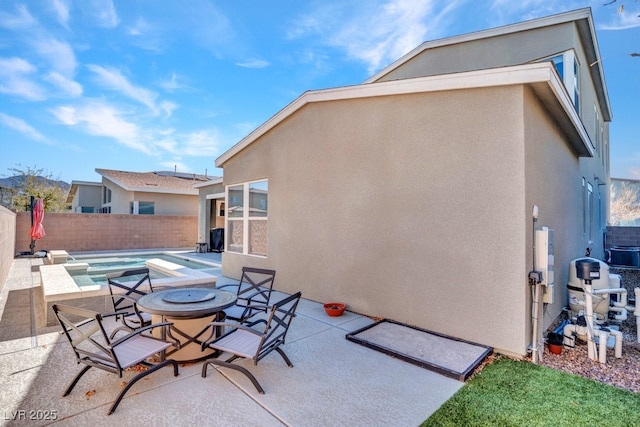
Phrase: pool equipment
(589, 299)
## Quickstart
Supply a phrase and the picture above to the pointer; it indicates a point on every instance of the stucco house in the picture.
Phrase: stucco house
(150, 193)
(410, 196)
(85, 197)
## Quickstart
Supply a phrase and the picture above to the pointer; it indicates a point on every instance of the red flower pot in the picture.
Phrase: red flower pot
(334, 308)
(555, 348)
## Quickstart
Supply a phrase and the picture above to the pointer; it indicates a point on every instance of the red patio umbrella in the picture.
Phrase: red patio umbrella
(37, 230)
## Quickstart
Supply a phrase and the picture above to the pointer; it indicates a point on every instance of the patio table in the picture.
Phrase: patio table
(191, 310)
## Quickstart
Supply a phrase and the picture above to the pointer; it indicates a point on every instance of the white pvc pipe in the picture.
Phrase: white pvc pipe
(603, 336)
(623, 313)
(589, 318)
(621, 291)
(535, 354)
(618, 345)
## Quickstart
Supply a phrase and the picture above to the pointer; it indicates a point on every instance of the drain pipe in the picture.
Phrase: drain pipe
(535, 283)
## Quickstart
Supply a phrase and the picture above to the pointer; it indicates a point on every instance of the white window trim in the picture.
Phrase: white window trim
(245, 217)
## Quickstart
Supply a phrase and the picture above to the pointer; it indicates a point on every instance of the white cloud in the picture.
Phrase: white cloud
(21, 20)
(253, 63)
(195, 144)
(140, 28)
(16, 79)
(375, 34)
(61, 9)
(622, 21)
(23, 127)
(200, 143)
(176, 164)
(113, 79)
(59, 54)
(104, 12)
(171, 84)
(68, 86)
(101, 119)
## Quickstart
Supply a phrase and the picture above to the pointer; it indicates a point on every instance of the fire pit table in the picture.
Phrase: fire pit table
(191, 310)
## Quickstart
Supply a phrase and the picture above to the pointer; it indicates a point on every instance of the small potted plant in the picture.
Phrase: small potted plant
(334, 308)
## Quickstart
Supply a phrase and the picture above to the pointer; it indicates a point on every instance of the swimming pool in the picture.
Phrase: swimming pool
(91, 269)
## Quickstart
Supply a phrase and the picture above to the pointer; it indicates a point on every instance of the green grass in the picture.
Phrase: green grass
(518, 393)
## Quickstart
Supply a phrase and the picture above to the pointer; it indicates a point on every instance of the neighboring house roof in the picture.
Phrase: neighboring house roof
(155, 182)
(74, 188)
(541, 76)
(586, 30)
(213, 181)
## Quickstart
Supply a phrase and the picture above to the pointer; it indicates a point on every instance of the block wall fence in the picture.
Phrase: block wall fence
(622, 236)
(81, 232)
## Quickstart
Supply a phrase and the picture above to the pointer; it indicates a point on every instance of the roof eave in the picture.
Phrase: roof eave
(536, 73)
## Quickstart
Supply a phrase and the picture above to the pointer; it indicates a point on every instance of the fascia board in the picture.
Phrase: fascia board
(541, 72)
(208, 183)
(485, 34)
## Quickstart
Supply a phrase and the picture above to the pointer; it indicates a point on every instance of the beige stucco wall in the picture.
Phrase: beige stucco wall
(553, 183)
(87, 196)
(407, 207)
(206, 211)
(524, 47)
(165, 204)
(7, 241)
(504, 50)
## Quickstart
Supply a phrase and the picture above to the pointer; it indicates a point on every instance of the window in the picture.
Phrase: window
(87, 209)
(106, 200)
(588, 211)
(247, 218)
(141, 208)
(106, 195)
(569, 71)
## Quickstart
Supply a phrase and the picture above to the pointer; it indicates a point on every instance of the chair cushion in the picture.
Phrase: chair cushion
(138, 348)
(234, 312)
(133, 318)
(239, 342)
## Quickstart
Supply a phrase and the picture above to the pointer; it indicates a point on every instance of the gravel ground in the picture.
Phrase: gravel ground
(623, 372)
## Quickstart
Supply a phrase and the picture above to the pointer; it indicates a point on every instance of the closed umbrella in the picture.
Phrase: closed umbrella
(37, 230)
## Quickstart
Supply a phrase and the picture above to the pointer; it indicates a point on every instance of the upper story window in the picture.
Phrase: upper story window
(569, 70)
(106, 195)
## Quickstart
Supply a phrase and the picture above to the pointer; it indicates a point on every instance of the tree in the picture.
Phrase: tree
(35, 182)
(625, 203)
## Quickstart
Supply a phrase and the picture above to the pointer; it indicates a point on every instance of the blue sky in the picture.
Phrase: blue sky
(142, 85)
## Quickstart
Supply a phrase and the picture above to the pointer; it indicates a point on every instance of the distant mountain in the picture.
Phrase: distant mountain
(14, 181)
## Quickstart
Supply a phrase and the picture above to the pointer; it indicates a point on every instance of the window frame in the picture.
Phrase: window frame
(247, 218)
(570, 76)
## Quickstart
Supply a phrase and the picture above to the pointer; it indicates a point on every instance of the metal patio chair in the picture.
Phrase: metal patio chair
(95, 349)
(253, 292)
(124, 295)
(252, 342)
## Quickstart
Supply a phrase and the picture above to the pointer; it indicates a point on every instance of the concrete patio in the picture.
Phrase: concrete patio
(333, 381)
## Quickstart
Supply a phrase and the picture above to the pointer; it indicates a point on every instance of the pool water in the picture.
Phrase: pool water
(99, 266)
